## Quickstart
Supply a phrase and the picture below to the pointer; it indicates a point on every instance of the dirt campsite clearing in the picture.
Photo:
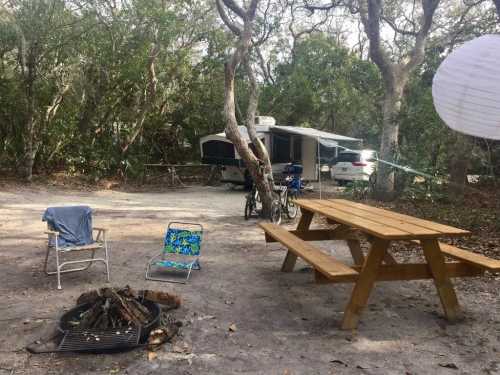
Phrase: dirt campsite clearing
(240, 314)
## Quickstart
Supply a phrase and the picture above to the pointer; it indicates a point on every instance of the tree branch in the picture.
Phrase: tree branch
(223, 15)
(235, 8)
(370, 12)
(396, 29)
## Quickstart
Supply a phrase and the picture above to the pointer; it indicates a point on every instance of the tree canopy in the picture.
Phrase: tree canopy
(102, 87)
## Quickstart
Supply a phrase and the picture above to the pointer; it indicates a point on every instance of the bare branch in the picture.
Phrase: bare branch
(235, 8)
(396, 29)
(266, 68)
(417, 54)
(223, 15)
(370, 12)
(251, 9)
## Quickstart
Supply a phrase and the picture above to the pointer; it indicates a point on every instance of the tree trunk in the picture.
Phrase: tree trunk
(459, 166)
(497, 5)
(29, 150)
(384, 189)
(395, 76)
(258, 165)
(258, 172)
(29, 129)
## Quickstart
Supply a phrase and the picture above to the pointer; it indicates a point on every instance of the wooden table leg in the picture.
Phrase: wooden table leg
(304, 224)
(364, 284)
(356, 252)
(388, 258)
(435, 260)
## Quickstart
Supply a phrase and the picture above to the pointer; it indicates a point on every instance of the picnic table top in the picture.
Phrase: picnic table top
(377, 221)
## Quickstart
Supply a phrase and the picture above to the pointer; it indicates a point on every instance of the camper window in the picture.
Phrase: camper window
(281, 148)
(218, 149)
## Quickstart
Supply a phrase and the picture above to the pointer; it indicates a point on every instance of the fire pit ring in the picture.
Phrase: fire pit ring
(74, 333)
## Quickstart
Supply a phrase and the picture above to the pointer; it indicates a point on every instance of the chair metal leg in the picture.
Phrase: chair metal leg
(106, 256)
(196, 265)
(149, 277)
(88, 263)
(58, 270)
(189, 272)
(107, 263)
(46, 261)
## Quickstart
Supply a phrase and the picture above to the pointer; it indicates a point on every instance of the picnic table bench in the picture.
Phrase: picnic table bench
(351, 221)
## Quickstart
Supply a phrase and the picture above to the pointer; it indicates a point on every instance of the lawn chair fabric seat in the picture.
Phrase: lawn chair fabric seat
(70, 231)
(181, 250)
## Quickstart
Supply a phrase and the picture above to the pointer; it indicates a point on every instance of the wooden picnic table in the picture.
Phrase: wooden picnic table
(352, 221)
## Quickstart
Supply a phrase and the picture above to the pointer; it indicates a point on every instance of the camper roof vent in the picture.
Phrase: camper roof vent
(265, 120)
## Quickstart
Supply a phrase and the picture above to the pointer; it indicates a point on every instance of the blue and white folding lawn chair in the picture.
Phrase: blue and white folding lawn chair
(181, 252)
(70, 230)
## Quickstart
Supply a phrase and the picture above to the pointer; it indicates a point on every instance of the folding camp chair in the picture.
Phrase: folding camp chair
(69, 231)
(180, 253)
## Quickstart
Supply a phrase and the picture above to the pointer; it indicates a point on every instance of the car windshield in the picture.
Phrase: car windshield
(349, 157)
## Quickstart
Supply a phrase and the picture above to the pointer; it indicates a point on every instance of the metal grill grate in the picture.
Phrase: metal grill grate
(76, 340)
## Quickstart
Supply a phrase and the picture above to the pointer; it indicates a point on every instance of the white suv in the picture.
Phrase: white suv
(354, 165)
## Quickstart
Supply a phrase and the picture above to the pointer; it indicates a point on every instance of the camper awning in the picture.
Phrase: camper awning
(325, 138)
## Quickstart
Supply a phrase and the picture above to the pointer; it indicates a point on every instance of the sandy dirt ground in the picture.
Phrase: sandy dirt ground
(284, 323)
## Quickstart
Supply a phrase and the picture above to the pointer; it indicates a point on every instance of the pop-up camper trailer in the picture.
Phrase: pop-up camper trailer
(285, 144)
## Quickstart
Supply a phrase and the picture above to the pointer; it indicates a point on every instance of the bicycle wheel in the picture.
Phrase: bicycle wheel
(275, 216)
(291, 207)
(249, 207)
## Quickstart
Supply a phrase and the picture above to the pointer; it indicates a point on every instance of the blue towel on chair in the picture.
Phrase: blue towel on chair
(74, 224)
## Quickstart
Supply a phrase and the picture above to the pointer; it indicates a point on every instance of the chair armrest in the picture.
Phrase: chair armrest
(100, 229)
(155, 257)
(51, 233)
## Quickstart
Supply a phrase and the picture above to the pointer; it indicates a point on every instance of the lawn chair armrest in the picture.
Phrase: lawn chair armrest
(99, 229)
(51, 233)
(155, 257)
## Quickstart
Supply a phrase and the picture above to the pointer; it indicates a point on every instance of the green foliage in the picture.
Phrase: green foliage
(88, 90)
(327, 87)
(359, 190)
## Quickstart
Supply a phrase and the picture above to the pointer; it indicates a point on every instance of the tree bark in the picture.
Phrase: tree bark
(258, 165)
(148, 97)
(459, 165)
(29, 69)
(393, 96)
(395, 76)
(497, 5)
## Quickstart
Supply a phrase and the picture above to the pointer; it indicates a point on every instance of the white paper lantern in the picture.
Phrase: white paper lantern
(466, 88)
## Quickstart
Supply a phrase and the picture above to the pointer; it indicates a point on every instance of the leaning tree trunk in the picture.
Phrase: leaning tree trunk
(384, 189)
(263, 175)
(258, 173)
(258, 165)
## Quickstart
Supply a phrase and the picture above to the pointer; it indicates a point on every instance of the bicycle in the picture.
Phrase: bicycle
(252, 199)
(253, 206)
(284, 197)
